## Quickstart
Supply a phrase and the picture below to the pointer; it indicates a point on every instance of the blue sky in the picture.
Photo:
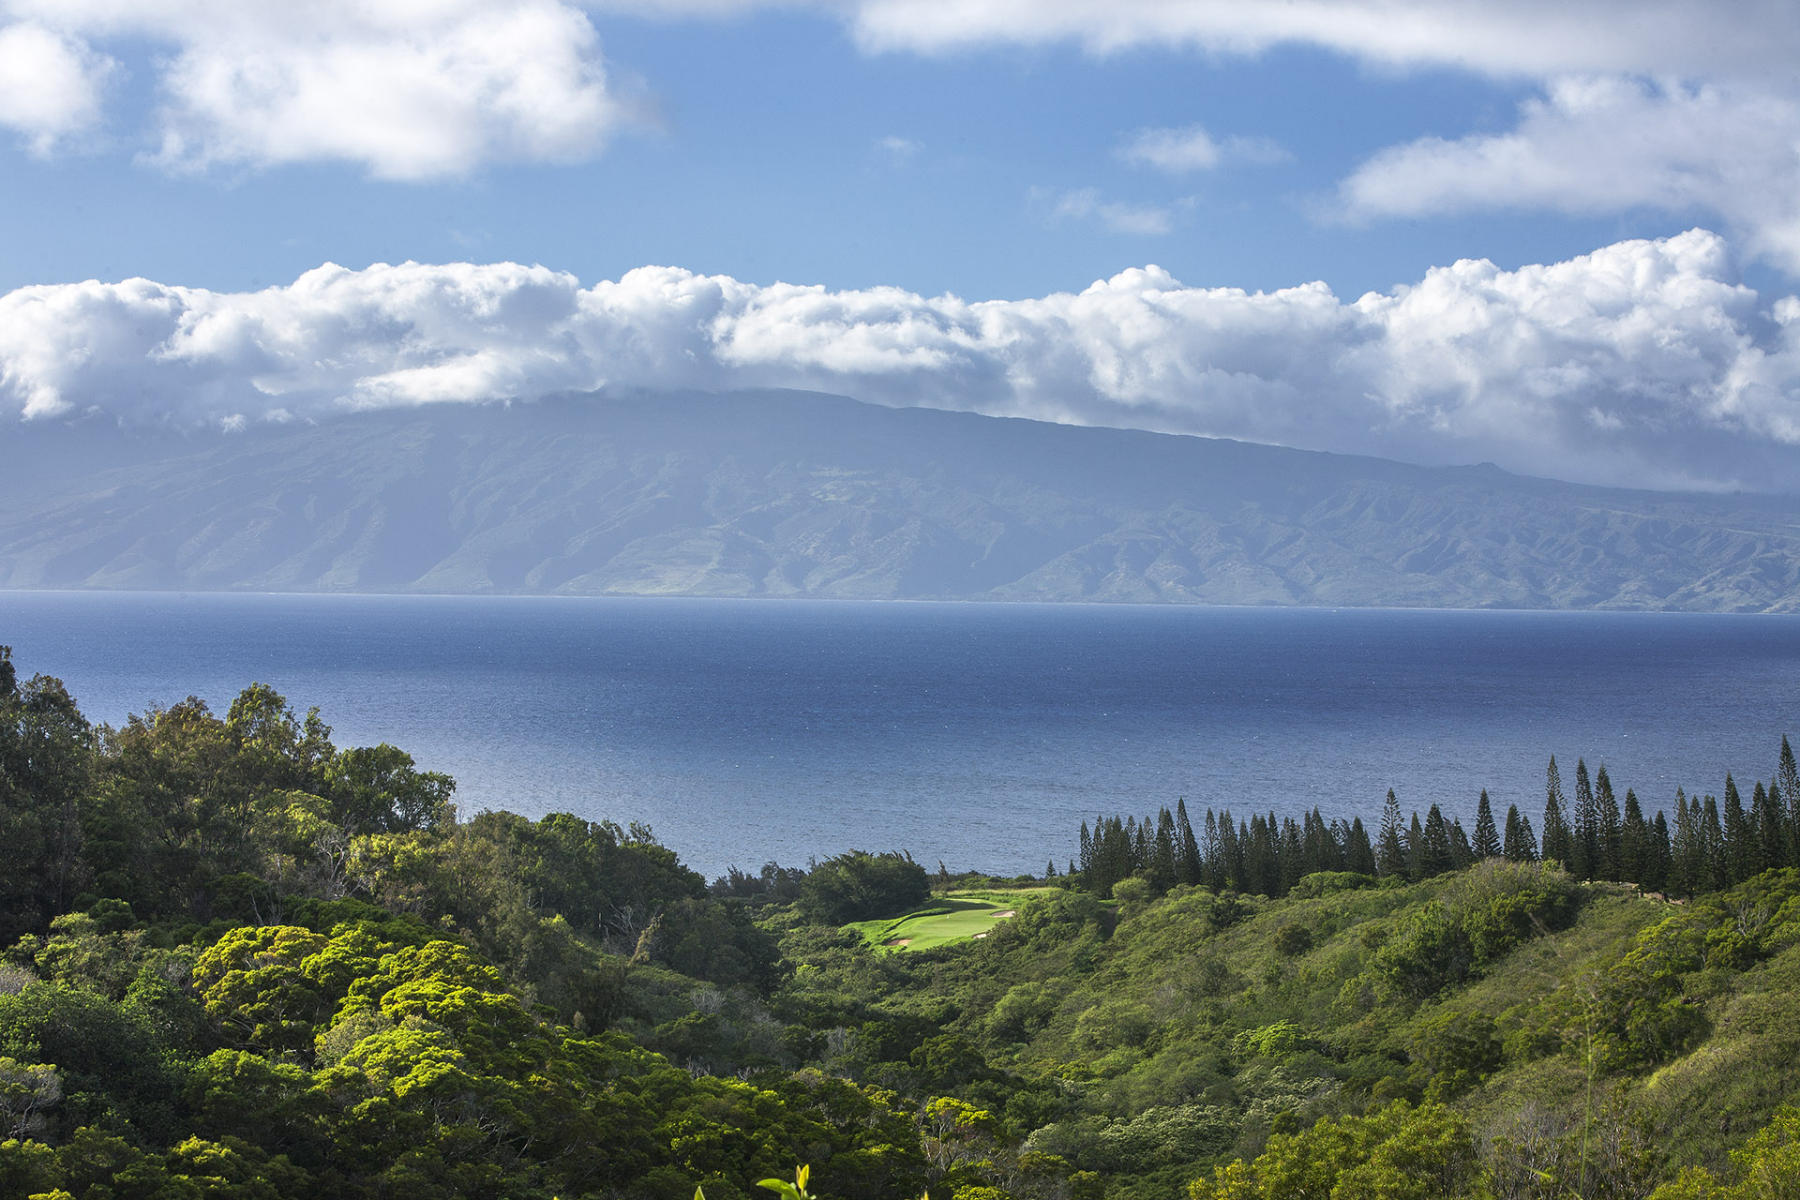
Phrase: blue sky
(770, 148)
(891, 153)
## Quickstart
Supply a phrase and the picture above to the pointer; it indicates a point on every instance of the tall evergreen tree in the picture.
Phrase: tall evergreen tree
(1390, 846)
(1740, 839)
(1585, 825)
(1684, 848)
(1461, 853)
(1634, 842)
(1261, 866)
(1211, 860)
(1231, 853)
(1607, 829)
(1787, 778)
(1765, 821)
(1521, 843)
(1436, 857)
(1487, 838)
(1359, 855)
(1188, 868)
(1160, 869)
(1415, 850)
(1291, 851)
(1715, 863)
(1657, 877)
(1558, 842)
(1322, 849)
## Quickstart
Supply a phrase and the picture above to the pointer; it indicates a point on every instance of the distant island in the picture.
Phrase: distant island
(805, 495)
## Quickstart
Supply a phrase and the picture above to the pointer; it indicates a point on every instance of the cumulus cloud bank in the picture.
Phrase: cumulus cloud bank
(1642, 363)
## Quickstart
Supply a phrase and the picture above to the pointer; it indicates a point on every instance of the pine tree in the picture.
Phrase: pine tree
(1787, 778)
(1765, 820)
(1740, 839)
(1436, 858)
(1715, 864)
(1187, 866)
(1585, 847)
(1390, 848)
(1607, 829)
(1521, 843)
(1212, 858)
(1261, 867)
(1321, 848)
(1359, 855)
(1634, 842)
(1684, 848)
(1656, 878)
(1231, 854)
(1461, 853)
(1415, 850)
(1487, 838)
(1291, 854)
(1557, 841)
(1161, 865)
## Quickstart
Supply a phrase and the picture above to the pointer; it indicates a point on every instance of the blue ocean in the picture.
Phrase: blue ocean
(979, 735)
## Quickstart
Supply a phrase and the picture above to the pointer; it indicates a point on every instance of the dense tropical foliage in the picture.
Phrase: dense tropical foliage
(238, 960)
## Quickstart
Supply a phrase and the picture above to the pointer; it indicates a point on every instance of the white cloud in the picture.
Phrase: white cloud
(50, 86)
(1187, 149)
(1533, 38)
(402, 88)
(1086, 204)
(1192, 148)
(1596, 145)
(1642, 363)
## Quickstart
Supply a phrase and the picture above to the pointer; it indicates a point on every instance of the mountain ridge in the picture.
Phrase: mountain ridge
(802, 494)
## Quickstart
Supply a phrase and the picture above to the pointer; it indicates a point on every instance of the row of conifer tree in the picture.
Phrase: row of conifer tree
(1701, 845)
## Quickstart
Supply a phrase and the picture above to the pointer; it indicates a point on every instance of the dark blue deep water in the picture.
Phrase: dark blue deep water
(981, 735)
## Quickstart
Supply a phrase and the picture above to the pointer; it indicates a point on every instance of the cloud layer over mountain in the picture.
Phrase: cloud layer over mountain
(1643, 363)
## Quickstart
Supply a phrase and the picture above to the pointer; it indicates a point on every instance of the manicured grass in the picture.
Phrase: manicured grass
(952, 917)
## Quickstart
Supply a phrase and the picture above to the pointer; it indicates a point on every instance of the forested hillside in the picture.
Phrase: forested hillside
(238, 960)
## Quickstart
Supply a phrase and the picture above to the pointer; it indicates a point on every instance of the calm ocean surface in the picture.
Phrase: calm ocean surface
(980, 735)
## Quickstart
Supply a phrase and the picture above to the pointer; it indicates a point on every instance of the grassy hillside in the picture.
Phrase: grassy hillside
(1152, 1043)
(955, 916)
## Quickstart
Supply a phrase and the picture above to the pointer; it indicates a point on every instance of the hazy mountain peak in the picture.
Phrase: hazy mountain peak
(775, 493)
